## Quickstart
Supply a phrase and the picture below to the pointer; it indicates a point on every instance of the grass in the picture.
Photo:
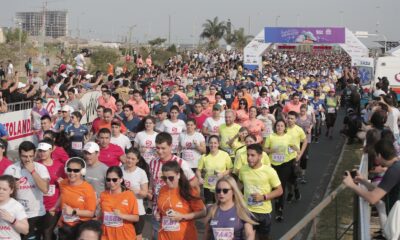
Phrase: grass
(342, 207)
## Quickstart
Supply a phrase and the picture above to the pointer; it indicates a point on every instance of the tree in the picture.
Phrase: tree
(157, 42)
(241, 39)
(101, 57)
(213, 30)
(13, 35)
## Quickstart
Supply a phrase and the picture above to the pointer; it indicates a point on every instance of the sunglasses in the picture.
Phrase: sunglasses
(170, 178)
(242, 103)
(61, 101)
(224, 190)
(64, 111)
(112, 179)
(75, 170)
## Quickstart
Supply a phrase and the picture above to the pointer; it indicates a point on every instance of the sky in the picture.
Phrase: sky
(110, 20)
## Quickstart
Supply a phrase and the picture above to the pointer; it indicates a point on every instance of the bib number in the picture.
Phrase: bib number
(223, 233)
(212, 180)
(51, 192)
(76, 145)
(170, 225)
(251, 202)
(331, 110)
(112, 220)
(278, 157)
(188, 155)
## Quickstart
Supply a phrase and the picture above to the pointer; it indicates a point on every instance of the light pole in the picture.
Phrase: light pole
(276, 20)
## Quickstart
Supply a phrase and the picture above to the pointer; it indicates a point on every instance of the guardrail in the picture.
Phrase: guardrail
(17, 106)
(361, 213)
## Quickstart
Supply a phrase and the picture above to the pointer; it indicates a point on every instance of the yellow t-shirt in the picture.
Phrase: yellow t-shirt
(297, 135)
(261, 180)
(226, 133)
(280, 147)
(213, 165)
(241, 159)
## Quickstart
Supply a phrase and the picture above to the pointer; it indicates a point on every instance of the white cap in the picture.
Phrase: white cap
(63, 75)
(44, 146)
(21, 85)
(67, 108)
(91, 147)
(88, 76)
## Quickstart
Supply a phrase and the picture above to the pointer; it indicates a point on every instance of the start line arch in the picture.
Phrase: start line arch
(311, 35)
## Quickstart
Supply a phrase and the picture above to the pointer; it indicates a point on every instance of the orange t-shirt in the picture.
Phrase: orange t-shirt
(82, 197)
(255, 127)
(241, 116)
(141, 109)
(171, 199)
(114, 227)
(104, 124)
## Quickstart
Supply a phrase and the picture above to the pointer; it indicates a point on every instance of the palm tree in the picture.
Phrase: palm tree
(213, 31)
(241, 39)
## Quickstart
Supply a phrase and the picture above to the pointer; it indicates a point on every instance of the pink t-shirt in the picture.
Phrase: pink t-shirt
(199, 120)
(56, 171)
(110, 155)
(292, 107)
(4, 163)
(59, 155)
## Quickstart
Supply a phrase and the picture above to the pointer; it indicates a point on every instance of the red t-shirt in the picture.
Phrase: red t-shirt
(4, 163)
(110, 155)
(56, 171)
(59, 155)
(96, 125)
(199, 120)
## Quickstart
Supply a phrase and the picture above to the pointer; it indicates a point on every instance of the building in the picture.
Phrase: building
(56, 23)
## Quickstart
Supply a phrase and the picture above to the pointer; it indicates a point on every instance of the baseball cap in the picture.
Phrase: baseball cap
(91, 147)
(66, 108)
(44, 146)
(21, 85)
(63, 75)
(88, 76)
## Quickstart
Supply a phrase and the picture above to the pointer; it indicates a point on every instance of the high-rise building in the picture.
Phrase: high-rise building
(56, 23)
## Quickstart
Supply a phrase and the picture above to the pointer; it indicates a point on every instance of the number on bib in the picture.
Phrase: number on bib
(278, 157)
(223, 233)
(170, 225)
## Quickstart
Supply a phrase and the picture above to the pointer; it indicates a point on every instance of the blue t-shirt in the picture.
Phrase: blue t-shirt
(225, 220)
(316, 105)
(228, 93)
(131, 125)
(159, 106)
(3, 131)
(62, 122)
(176, 98)
(76, 136)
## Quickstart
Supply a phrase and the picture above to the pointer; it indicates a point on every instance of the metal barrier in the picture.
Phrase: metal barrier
(361, 213)
(17, 106)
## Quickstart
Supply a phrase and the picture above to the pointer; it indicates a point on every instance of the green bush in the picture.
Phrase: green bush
(102, 56)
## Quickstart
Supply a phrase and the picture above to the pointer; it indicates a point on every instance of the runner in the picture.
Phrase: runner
(215, 164)
(33, 182)
(305, 121)
(175, 127)
(135, 179)
(95, 170)
(77, 199)
(228, 132)
(179, 205)
(261, 184)
(192, 145)
(119, 208)
(4, 161)
(229, 217)
(277, 146)
(254, 126)
(12, 214)
(145, 140)
(212, 124)
(78, 134)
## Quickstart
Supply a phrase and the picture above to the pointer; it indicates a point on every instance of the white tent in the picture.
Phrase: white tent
(394, 52)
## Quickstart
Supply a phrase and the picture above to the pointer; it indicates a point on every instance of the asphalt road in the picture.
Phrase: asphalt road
(323, 158)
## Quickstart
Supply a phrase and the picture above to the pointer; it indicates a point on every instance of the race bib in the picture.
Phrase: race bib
(251, 202)
(278, 157)
(331, 110)
(76, 145)
(188, 155)
(212, 180)
(51, 192)
(228, 96)
(70, 218)
(170, 225)
(112, 220)
(223, 233)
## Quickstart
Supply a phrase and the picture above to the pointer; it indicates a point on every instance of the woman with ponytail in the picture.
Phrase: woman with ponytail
(119, 208)
(178, 205)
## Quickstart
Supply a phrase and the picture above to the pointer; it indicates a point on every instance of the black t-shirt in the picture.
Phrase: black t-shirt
(6, 94)
(391, 184)
(17, 97)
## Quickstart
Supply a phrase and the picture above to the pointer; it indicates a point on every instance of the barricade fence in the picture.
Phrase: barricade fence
(18, 106)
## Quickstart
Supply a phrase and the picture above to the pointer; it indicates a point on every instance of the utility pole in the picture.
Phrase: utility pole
(169, 30)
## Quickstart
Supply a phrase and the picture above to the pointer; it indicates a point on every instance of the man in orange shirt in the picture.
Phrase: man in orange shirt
(107, 101)
(140, 107)
(108, 117)
(293, 105)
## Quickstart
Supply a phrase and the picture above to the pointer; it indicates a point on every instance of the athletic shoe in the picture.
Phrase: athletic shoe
(289, 197)
(297, 195)
(279, 215)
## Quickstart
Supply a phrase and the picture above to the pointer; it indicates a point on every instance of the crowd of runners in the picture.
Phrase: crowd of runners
(197, 138)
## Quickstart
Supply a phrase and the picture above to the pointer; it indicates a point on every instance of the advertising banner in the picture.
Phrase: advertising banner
(18, 126)
(321, 35)
(253, 51)
(365, 67)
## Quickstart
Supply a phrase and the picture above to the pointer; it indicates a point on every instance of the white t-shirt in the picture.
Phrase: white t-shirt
(133, 180)
(15, 209)
(392, 119)
(28, 194)
(175, 129)
(80, 61)
(122, 141)
(147, 145)
(188, 149)
(268, 122)
(213, 125)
